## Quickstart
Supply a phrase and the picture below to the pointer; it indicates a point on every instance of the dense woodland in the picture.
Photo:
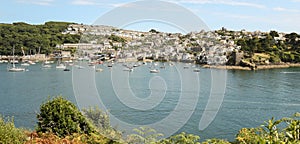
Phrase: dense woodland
(34, 37)
(285, 50)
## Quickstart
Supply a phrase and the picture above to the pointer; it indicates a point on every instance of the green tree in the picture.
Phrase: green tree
(271, 133)
(215, 141)
(33, 37)
(115, 38)
(62, 118)
(144, 135)
(101, 122)
(153, 31)
(9, 133)
(274, 33)
(181, 138)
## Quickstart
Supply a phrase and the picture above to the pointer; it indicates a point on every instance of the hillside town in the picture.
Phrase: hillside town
(127, 45)
(219, 47)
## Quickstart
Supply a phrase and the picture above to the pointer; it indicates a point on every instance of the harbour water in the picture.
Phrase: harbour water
(251, 97)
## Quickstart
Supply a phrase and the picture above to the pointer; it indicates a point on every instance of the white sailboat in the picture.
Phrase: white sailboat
(61, 66)
(46, 64)
(14, 68)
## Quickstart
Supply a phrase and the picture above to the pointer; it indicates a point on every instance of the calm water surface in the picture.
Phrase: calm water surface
(251, 97)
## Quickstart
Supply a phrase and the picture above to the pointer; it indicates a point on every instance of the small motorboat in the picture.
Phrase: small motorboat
(46, 66)
(66, 69)
(154, 71)
(128, 69)
(99, 70)
(25, 64)
(196, 70)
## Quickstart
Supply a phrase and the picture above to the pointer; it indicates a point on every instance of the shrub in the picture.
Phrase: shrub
(181, 138)
(99, 118)
(144, 135)
(62, 118)
(292, 130)
(271, 133)
(216, 141)
(49, 138)
(250, 135)
(9, 133)
(101, 122)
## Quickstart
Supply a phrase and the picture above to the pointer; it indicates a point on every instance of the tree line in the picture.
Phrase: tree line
(281, 49)
(34, 38)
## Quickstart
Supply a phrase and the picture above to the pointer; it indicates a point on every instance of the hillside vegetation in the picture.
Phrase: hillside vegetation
(266, 47)
(33, 38)
(59, 121)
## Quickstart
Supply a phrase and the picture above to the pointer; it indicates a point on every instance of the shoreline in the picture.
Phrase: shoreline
(259, 67)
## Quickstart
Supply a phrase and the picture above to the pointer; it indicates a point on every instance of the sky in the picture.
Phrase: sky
(251, 15)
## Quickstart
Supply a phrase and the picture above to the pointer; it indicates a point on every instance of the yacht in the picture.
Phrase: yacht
(61, 66)
(14, 68)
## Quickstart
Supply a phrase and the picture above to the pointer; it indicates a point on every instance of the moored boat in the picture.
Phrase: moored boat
(154, 71)
(99, 70)
(66, 69)
(46, 66)
(25, 64)
(196, 70)
(14, 68)
(61, 66)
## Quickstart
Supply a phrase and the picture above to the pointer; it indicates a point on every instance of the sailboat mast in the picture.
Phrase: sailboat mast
(13, 62)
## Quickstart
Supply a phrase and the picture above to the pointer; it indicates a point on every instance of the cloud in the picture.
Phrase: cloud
(37, 2)
(105, 3)
(234, 16)
(84, 2)
(281, 9)
(222, 2)
(102, 3)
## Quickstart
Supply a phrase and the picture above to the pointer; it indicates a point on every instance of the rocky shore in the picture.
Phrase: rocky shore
(258, 67)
